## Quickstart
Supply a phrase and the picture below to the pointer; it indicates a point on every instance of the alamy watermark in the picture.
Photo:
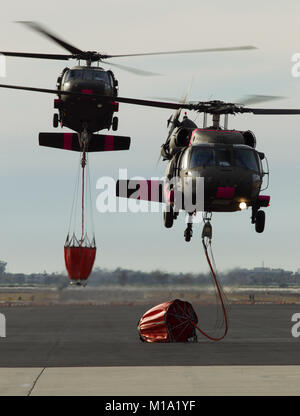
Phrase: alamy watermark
(2, 326)
(2, 66)
(295, 70)
(296, 327)
(138, 194)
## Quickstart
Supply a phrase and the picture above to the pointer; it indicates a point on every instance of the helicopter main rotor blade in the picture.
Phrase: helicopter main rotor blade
(202, 107)
(34, 89)
(93, 56)
(45, 32)
(228, 49)
(257, 98)
(248, 99)
(103, 98)
(271, 111)
(130, 69)
(38, 55)
(149, 103)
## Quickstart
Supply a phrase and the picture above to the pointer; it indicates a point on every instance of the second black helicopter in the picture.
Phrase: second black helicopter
(231, 169)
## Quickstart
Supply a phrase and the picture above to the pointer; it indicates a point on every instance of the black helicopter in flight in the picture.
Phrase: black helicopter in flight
(86, 95)
(227, 162)
(225, 159)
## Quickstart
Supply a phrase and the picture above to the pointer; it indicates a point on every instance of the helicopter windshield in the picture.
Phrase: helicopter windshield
(95, 75)
(74, 74)
(205, 156)
(223, 157)
(245, 158)
(87, 75)
(202, 156)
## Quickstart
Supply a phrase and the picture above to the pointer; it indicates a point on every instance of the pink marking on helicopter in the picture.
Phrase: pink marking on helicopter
(149, 190)
(210, 130)
(87, 91)
(144, 191)
(68, 140)
(264, 200)
(192, 136)
(109, 143)
(225, 192)
(169, 195)
(115, 105)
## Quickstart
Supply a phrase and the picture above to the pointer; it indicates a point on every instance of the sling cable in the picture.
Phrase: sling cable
(80, 246)
(223, 322)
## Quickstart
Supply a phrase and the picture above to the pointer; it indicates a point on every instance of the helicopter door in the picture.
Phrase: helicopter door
(265, 171)
(184, 161)
(176, 165)
(170, 169)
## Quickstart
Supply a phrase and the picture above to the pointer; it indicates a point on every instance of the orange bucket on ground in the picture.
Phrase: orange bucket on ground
(169, 322)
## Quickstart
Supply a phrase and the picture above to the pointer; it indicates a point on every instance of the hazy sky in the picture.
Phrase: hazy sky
(37, 183)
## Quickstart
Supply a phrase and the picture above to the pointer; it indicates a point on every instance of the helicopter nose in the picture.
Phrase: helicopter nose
(89, 88)
(225, 192)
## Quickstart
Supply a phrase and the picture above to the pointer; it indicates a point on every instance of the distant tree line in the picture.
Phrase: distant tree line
(258, 276)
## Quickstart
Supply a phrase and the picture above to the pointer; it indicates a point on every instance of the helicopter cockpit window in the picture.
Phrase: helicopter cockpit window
(245, 159)
(223, 157)
(88, 75)
(202, 157)
(101, 76)
(95, 75)
(74, 74)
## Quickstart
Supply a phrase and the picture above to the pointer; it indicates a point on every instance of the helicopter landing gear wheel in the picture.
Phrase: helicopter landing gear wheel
(115, 123)
(260, 221)
(168, 217)
(188, 232)
(55, 120)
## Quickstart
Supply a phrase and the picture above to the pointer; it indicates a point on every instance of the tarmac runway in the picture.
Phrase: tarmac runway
(107, 336)
(87, 350)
